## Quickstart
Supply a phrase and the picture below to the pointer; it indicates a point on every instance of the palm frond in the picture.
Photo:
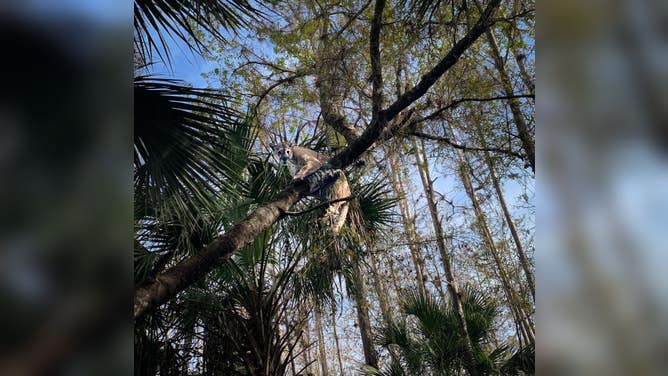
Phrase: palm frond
(392, 369)
(190, 146)
(523, 360)
(371, 210)
(432, 314)
(156, 20)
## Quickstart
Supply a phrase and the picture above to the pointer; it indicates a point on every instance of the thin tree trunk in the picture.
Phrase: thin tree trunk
(524, 134)
(519, 57)
(336, 340)
(438, 282)
(322, 350)
(359, 295)
(511, 224)
(385, 310)
(453, 288)
(486, 234)
(528, 144)
(305, 339)
(408, 221)
(380, 291)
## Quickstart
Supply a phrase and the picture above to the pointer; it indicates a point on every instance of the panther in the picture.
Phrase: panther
(326, 184)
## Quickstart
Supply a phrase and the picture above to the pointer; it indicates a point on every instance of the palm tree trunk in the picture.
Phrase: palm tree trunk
(322, 351)
(453, 288)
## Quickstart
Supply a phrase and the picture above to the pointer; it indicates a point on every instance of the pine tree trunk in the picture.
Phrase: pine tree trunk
(408, 221)
(520, 316)
(322, 350)
(453, 288)
(359, 296)
(528, 143)
(511, 224)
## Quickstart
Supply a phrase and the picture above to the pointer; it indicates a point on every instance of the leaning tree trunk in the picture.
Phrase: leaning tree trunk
(453, 288)
(524, 134)
(520, 316)
(521, 255)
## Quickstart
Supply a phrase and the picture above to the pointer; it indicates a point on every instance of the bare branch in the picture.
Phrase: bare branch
(456, 102)
(265, 63)
(448, 61)
(277, 83)
(455, 145)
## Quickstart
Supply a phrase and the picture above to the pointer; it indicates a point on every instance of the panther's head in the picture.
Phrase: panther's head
(284, 152)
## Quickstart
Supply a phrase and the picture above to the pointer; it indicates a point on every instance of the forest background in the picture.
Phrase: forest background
(632, 193)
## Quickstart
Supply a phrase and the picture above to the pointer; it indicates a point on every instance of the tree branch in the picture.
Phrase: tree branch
(352, 19)
(448, 61)
(277, 83)
(456, 102)
(455, 145)
(378, 123)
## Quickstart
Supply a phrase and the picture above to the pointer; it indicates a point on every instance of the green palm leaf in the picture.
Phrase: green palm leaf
(155, 20)
(371, 210)
(190, 146)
